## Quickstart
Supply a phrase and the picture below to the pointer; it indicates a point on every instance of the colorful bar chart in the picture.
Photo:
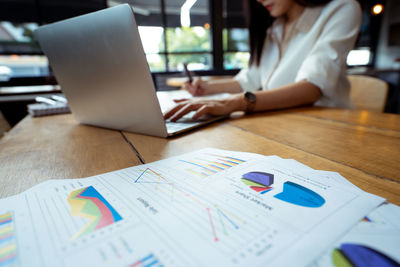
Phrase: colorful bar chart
(149, 260)
(8, 247)
(89, 203)
(366, 219)
(205, 167)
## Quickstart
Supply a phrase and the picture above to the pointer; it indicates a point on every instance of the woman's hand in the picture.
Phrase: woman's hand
(206, 107)
(197, 88)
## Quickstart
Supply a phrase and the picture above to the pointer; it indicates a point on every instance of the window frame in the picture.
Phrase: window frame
(216, 28)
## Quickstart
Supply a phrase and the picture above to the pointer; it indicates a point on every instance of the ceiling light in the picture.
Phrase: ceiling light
(185, 12)
(377, 9)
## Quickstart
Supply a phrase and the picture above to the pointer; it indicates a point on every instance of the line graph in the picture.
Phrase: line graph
(150, 176)
(228, 218)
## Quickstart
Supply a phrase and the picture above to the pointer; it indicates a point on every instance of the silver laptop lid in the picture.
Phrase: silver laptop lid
(99, 61)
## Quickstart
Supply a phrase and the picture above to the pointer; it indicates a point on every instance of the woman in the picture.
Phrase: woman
(298, 56)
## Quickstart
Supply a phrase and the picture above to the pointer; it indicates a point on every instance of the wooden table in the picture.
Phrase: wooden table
(362, 146)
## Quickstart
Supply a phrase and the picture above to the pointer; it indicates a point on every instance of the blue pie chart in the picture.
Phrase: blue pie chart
(299, 195)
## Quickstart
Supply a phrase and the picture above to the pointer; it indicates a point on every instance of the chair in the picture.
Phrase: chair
(4, 126)
(368, 92)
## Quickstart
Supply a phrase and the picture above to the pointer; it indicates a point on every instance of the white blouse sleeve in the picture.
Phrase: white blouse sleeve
(327, 57)
(249, 78)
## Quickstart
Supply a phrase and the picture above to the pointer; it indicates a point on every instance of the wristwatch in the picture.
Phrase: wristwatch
(250, 101)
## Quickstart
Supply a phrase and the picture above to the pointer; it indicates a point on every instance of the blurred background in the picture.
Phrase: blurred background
(210, 36)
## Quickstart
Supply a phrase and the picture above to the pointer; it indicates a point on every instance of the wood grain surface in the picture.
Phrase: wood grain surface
(375, 151)
(55, 147)
(362, 146)
(355, 117)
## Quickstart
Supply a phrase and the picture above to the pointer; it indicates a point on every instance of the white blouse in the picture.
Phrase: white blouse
(316, 52)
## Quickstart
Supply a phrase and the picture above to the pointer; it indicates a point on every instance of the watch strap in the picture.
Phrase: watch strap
(250, 101)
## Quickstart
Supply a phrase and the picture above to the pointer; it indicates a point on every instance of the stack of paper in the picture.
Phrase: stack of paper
(207, 208)
(41, 109)
(56, 104)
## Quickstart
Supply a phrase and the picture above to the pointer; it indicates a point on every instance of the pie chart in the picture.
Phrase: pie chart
(299, 195)
(258, 181)
(360, 256)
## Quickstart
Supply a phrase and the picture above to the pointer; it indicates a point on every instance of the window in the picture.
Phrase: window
(188, 34)
(236, 48)
(19, 54)
(174, 32)
(153, 44)
(235, 36)
(364, 53)
(189, 45)
(359, 57)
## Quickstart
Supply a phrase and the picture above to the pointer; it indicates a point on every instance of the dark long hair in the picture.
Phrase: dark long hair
(259, 20)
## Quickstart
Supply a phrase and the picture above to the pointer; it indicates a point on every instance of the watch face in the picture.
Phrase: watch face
(250, 96)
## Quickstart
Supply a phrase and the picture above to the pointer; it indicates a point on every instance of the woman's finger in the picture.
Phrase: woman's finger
(197, 87)
(188, 87)
(195, 91)
(180, 100)
(198, 82)
(184, 110)
(203, 110)
(172, 111)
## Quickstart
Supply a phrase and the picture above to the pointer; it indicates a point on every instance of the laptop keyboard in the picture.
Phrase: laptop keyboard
(166, 98)
(183, 123)
(177, 126)
(166, 102)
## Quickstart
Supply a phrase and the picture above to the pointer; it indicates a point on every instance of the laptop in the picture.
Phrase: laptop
(99, 61)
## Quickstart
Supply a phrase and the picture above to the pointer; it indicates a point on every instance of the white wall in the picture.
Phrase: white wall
(385, 54)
